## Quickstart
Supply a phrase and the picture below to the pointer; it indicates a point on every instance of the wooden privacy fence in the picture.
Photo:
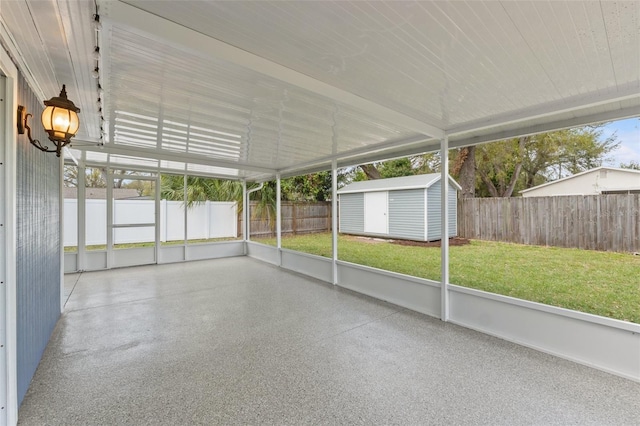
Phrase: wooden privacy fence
(297, 218)
(592, 222)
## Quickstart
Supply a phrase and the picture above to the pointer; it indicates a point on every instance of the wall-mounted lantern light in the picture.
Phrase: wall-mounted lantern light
(59, 119)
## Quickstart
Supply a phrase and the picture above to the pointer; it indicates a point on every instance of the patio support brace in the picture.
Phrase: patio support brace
(334, 220)
(279, 219)
(444, 220)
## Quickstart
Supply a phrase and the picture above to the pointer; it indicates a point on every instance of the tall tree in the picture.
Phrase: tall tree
(371, 171)
(554, 155)
(464, 169)
(406, 166)
(500, 164)
(310, 187)
(70, 176)
(200, 189)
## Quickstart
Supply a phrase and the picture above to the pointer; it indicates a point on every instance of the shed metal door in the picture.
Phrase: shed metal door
(375, 213)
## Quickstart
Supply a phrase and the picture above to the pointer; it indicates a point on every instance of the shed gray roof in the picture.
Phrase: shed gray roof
(390, 184)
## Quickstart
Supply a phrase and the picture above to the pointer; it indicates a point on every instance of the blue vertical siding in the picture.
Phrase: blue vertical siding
(434, 225)
(453, 211)
(352, 213)
(38, 244)
(406, 214)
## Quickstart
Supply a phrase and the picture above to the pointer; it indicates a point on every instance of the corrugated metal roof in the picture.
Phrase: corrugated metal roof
(397, 183)
(252, 89)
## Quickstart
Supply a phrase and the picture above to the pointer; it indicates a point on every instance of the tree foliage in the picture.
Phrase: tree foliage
(555, 155)
(96, 177)
(407, 166)
(311, 187)
(503, 168)
(633, 165)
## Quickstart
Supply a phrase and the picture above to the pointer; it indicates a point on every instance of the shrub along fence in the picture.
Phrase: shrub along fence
(592, 222)
(297, 218)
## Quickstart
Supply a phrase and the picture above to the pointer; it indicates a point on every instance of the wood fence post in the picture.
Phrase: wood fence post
(294, 213)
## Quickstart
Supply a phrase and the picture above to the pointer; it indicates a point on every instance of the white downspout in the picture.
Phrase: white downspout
(247, 215)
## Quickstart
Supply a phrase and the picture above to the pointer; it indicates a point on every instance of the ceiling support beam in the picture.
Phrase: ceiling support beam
(619, 114)
(369, 150)
(149, 25)
(574, 105)
(165, 155)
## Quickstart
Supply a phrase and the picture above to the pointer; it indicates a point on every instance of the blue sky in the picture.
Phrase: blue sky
(628, 133)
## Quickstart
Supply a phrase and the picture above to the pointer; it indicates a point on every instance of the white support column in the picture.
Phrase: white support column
(278, 219)
(186, 214)
(157, 215)
(82, 214)
(61, 229)
(245, 215)
(8, 200)
(109, 219)
(334, 220)
(444, 218)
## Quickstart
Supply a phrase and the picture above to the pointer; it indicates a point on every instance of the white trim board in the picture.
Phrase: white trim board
(8, 318)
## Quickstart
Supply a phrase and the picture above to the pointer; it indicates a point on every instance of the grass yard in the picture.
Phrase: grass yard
(600, 283)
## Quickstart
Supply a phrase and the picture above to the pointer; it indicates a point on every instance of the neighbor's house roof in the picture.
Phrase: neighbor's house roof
(617, 180)
(101, 193)
(398, 183)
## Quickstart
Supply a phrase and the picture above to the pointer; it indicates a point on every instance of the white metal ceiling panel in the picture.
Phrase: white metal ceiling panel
(159, 99)
(449, 62)
(249, 89)
(54, 42)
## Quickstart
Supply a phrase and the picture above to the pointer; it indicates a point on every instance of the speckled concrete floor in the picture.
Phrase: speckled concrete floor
(235, 341)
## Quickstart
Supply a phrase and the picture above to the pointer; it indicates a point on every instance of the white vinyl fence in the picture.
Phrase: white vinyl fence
(204, 220)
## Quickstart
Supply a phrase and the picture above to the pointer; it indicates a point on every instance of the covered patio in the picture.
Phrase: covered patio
(170, 344)
(255, 92)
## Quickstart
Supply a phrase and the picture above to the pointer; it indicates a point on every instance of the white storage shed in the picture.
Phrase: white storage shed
(404, 207)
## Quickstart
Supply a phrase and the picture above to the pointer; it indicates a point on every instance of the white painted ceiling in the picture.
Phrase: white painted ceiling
(250, 89)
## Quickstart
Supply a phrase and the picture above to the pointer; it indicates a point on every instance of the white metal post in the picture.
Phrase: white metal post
(61, 229)
(444, 218)
(157, 215)
(185, 180)
(334, 220)
(245, 215)
(109, 219)
(278, 219)
(8, 304)
(82, 214)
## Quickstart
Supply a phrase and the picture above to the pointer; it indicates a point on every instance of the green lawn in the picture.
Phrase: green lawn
(600, 283)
